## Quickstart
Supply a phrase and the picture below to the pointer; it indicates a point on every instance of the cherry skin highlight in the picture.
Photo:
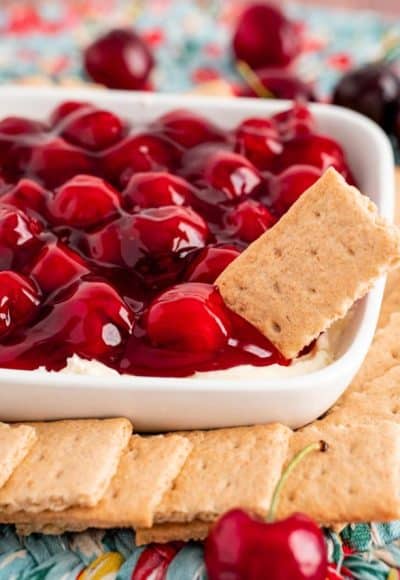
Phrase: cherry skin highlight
(189, 317)
(258, 140)
(119, 60)
(156, 189)
(19, 301)
(188, 129)
(93, 129)
(265, 37)
(84, 201)
(57, 266)
(232, 174)
(209, 263)
(290, 184)
(240, 547)
(249, 220)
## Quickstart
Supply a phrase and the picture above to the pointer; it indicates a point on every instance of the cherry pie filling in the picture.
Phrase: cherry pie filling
(112, 235)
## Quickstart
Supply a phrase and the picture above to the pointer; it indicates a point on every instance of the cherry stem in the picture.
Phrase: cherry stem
(253, 80)
(316, 446)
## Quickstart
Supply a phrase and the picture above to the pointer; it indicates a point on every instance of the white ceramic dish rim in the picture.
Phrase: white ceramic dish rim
(359, 346)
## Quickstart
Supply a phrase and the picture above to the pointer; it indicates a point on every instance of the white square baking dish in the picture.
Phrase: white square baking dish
(156, 404)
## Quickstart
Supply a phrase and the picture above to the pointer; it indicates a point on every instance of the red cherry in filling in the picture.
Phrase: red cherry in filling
(53, 161)
(265, 37)
(290, 184)
(295, 122)
(240, 547)
(84, 201)
(18, 237)
(119, 60)
(65, 109)
(57, 266)
(317, 150)
(249, 220)
(281, 84)
(92, 320)
(153, 189)
(20, 126)
(258, 140)
(232, 173)
(210, 262)
(26, 195)
(136, 153)
(93, 129)
(153, 231)
(188, 317)
(188, 129)
(19, 301)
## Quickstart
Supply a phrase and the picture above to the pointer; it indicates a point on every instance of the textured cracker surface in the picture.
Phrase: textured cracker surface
(15, 443)
(356, 479)
(71, 463)
(227, 468)
(306, 272)
(146, 471)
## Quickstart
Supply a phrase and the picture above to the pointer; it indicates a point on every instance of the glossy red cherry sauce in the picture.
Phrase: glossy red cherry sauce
(112, 235)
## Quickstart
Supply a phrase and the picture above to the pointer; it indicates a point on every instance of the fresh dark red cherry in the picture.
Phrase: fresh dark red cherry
(19, 301)
(317, 150)
(240, 547)
(138, 153)
(156, 189)
(67, 108)
(249, 220)
(280, 84)
(20, 126)
(119, 60)
(265, 37)
(290, 184)
(18, 130)
(154, 231)
(297, 121)
(57, 266)
(93, 129)
(53, 161)
(188, 317)
(84, 201)
(19, 237)
(258, 140)
(188, 129)
(373, 90)
(27, 195)
(210, 262)
(232, 173)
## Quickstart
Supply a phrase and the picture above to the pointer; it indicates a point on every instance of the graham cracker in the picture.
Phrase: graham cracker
(383, 355)
(15, 443)
(226, 468)
(146, 471)
(164, 533)
(356, 480)
(380, 399)
(71, 463)
(390, 305)
(304, 273)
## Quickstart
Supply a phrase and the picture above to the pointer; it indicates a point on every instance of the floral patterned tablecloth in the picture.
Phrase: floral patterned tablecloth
(42, 42)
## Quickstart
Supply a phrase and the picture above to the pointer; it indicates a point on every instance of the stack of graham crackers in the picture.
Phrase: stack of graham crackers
(73, 475)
